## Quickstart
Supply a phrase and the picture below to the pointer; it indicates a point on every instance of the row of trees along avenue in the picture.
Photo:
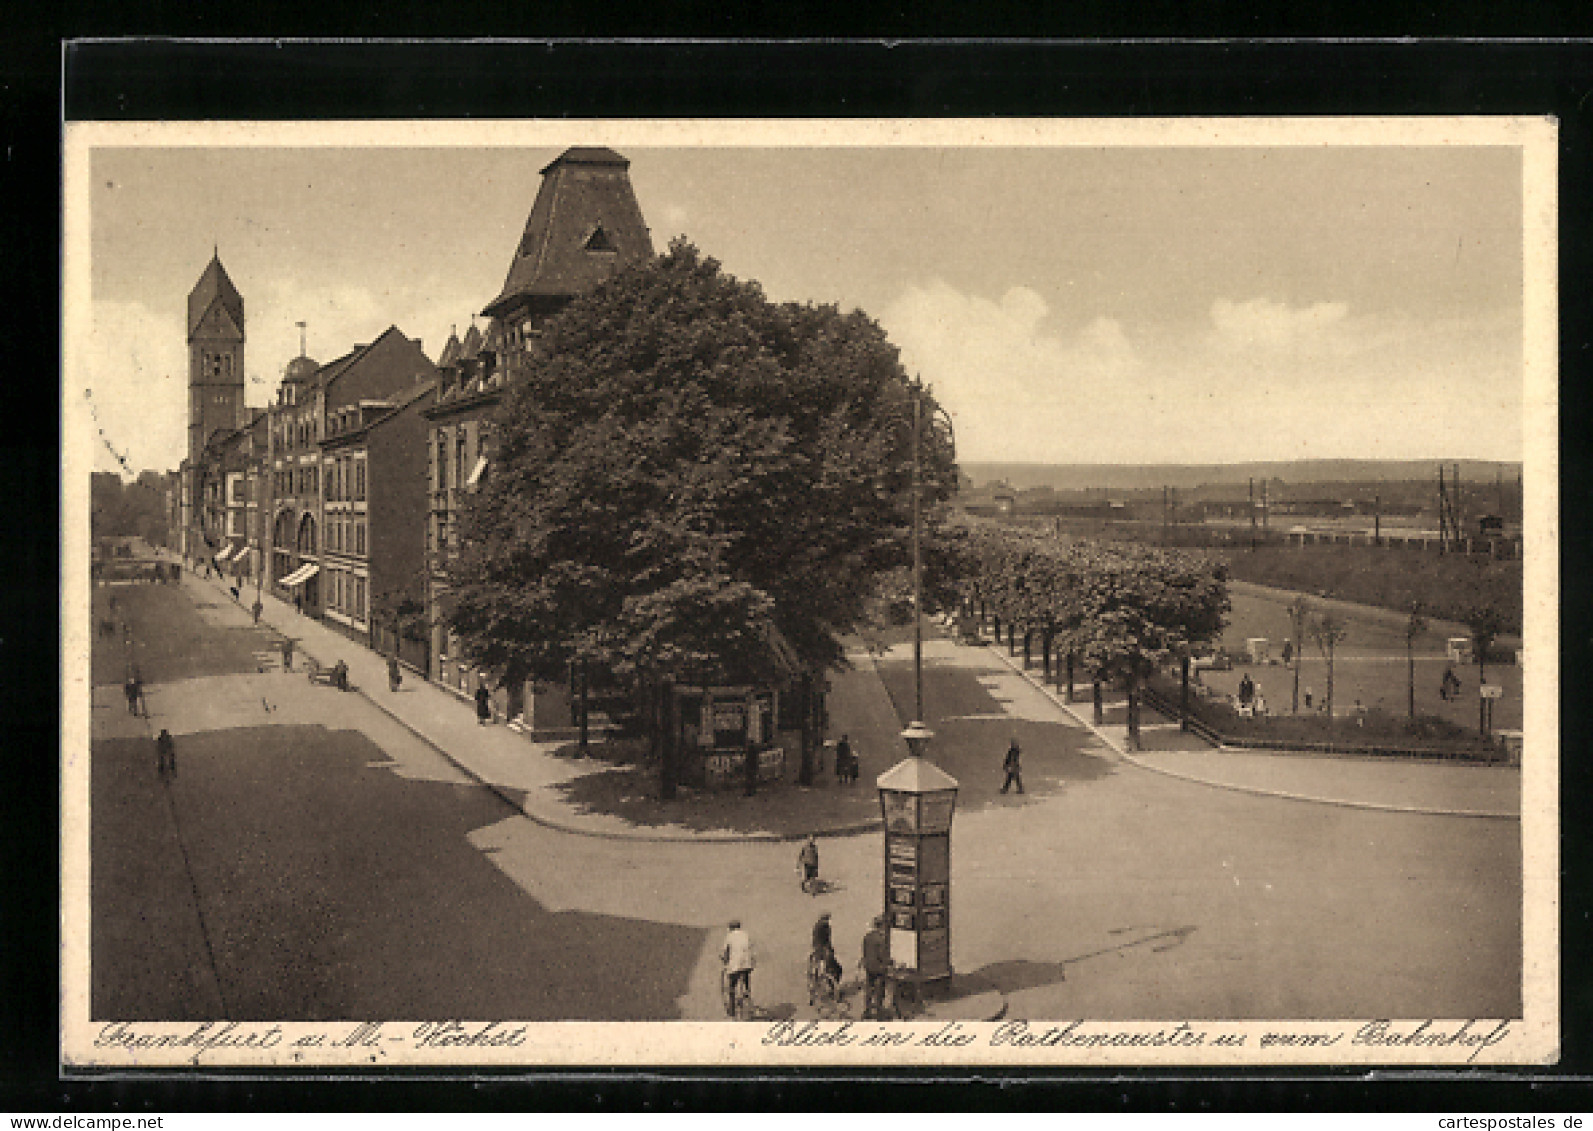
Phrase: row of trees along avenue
(692, 485)
(1112, 611)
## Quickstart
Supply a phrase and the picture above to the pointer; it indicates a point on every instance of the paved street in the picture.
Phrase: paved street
(319, 856)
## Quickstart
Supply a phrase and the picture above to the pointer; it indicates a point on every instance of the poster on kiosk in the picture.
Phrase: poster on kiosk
(917, 800)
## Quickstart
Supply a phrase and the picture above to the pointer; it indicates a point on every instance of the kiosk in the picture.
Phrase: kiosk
(917, 799)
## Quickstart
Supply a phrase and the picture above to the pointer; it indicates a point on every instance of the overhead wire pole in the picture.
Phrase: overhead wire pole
(943, 418)
(1252, 513)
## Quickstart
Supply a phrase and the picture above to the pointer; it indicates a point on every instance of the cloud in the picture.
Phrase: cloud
(131, 388)
(675, 219)
(1003, 375)
(1259, 379)
(133, 392)
(1262, 323)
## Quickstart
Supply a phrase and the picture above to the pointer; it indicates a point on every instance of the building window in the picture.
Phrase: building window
(459, 457)
(359, 538)
(442, 461)
(359, 480)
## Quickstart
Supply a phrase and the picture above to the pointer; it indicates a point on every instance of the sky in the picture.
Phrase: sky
(1067, 304)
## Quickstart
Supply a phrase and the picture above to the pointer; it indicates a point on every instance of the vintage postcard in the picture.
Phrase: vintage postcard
(810, 593)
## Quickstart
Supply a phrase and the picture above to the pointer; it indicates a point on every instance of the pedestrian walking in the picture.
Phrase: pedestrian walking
(287, 654)
(165, 754)
(1247, 690)
(845, 761)
(808, 865)
(483, 705)
(255, 610)
(394, 675)
(140, 705)
(876, 969)
(1013, 767)
(1288, 652)
(130, 689)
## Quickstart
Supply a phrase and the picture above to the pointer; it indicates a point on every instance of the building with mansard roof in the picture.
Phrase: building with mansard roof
(585, 224)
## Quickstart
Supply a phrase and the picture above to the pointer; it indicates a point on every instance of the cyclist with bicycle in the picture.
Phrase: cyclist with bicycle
(738, 958)
(822, 963)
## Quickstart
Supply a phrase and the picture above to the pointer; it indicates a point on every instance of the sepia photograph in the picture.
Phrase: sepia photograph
(883, 592)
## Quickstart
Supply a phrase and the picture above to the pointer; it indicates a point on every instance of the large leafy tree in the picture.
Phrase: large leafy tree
(1143, 608)
(1123, 610)
(689, 473)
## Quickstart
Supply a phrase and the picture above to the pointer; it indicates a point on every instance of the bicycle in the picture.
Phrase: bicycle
(736, 995)
(824, 991)
(899, 1000)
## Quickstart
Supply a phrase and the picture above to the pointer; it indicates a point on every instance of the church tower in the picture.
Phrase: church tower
(215, 358)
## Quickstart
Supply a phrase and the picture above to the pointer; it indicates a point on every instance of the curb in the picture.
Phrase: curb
(606, 834)
(1255, 791)
(857, 828)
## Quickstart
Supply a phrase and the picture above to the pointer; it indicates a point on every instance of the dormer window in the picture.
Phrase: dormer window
(599, 240)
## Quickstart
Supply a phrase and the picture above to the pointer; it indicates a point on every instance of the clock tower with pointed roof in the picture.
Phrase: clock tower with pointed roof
(215, 358)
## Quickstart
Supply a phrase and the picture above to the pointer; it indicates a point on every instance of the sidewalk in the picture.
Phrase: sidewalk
(557, 790)
(1396, 785)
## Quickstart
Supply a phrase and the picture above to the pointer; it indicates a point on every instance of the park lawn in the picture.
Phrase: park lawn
(1369, 665)
(1388, 577)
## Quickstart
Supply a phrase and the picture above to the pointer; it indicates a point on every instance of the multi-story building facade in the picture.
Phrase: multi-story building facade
(469, 390)
(384, 369)
(294, 508)
(585, 223)
(373, 465)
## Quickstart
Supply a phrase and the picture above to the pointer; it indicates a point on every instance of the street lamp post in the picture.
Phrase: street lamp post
(917, 799)
(943, 420)
(918, 557)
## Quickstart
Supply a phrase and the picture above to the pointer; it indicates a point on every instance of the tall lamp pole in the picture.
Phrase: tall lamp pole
(918, 559)
(942, 418)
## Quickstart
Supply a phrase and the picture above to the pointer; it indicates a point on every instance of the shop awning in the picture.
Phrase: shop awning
(301, 575)
(476, 473)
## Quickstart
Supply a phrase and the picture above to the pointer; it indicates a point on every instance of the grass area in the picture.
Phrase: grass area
(1369, 730)
(1386, 577)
